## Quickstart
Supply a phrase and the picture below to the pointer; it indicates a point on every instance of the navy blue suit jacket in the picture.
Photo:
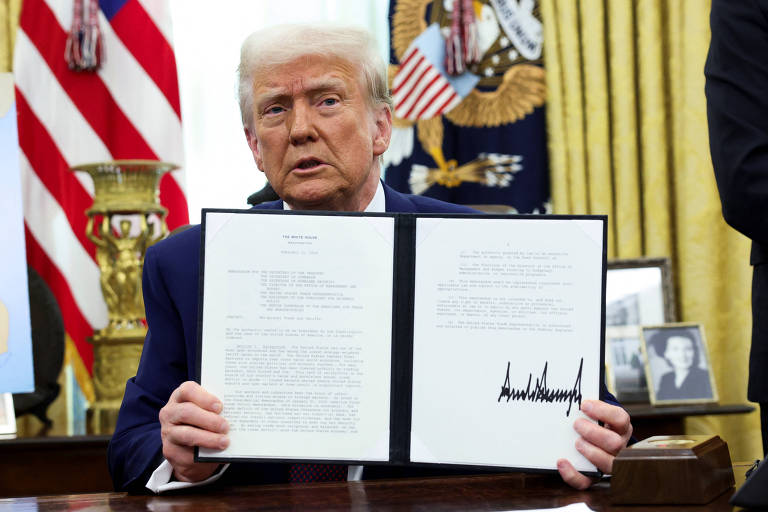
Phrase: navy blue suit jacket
(170, 282)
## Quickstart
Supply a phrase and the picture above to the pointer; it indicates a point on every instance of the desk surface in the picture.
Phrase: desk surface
(495, 492)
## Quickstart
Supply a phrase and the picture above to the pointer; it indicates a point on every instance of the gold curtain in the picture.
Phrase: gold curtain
(627, 132)
(9, 21)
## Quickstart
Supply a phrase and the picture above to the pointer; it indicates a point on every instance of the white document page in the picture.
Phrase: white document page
(297, 328)
(499, 305)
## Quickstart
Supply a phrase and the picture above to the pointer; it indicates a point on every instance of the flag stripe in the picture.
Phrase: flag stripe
(407, 75)
(45, 219)
(172, 197)
(74, 323)
(455, 100)
(428, 98)
(72, 135)
(35, 141)
(423, 91)
(418, 87)
(62, 10)
(150, 48)
(433, 109)
(143, 104)
(433, 102)
(436, 105)
(401, 104)
(87, 92)
(160, 14)
(409, 53)
(411, 82)
(450, 102)
(405, 68)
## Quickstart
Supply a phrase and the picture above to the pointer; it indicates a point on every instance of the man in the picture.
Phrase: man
(317, 117)
(737, 111)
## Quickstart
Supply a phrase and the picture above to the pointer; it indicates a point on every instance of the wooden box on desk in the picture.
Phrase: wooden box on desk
(672, 470)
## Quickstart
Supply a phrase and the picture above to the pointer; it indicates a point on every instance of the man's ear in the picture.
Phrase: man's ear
(253, 143)
(383, 132)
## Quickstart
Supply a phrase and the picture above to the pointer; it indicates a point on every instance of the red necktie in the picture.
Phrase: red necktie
(317, 473)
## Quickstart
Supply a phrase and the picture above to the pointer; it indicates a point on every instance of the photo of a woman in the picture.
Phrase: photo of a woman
(678, 364)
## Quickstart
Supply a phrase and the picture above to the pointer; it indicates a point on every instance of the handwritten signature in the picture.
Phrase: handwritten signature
(542, 393)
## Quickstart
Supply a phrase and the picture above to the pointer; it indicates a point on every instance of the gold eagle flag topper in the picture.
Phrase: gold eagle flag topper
(511, 85)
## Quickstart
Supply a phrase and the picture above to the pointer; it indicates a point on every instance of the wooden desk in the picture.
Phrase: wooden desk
(78, 464)
(495, 492)
(52, 465)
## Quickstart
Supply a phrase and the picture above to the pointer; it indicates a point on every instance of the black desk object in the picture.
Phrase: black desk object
(648, 420)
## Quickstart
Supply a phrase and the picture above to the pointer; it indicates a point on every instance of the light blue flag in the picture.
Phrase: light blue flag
(16, 372)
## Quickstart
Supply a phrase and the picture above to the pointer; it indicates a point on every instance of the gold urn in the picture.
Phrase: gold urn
(125, 219)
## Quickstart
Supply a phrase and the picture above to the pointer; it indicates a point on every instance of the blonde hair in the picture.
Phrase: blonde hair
(281, 44)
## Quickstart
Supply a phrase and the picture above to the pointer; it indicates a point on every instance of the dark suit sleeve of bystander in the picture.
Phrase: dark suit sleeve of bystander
(737, 109)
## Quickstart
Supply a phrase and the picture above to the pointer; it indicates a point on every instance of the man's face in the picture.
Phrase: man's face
(315, 135)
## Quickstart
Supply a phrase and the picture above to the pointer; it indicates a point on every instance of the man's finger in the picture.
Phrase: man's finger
(572, 477)
(599, 436)
(185, 435)
(191, 391)
(187, 413)
(600, 458)
(612, 415)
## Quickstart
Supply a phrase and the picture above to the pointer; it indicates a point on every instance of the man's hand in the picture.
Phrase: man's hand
(191, 418)
(598, 444)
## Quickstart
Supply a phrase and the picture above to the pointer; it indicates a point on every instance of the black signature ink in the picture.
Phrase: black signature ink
(541, 393)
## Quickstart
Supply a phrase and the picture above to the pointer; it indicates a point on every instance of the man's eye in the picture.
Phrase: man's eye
(330, 101)
(275, 110)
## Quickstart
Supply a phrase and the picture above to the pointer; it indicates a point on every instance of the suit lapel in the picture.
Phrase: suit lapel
(270, 205)
(396, 202)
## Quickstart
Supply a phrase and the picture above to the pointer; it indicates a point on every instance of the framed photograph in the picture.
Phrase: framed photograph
(638, 292)
(625, 365)
(678, 369)
(7, 416)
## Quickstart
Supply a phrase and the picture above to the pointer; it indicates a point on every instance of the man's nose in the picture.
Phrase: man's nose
(302, 127)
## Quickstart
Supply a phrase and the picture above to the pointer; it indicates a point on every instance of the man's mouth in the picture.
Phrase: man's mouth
(308, 163)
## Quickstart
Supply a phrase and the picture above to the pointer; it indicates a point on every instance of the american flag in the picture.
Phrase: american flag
(421, 88)
(128, 109)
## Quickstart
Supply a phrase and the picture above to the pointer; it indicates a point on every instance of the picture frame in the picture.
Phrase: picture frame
(638, 292)
(7, 415)
(678, 368)
(625, 365)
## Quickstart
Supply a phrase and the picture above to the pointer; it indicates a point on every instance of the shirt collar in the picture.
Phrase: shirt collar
(377, 204)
